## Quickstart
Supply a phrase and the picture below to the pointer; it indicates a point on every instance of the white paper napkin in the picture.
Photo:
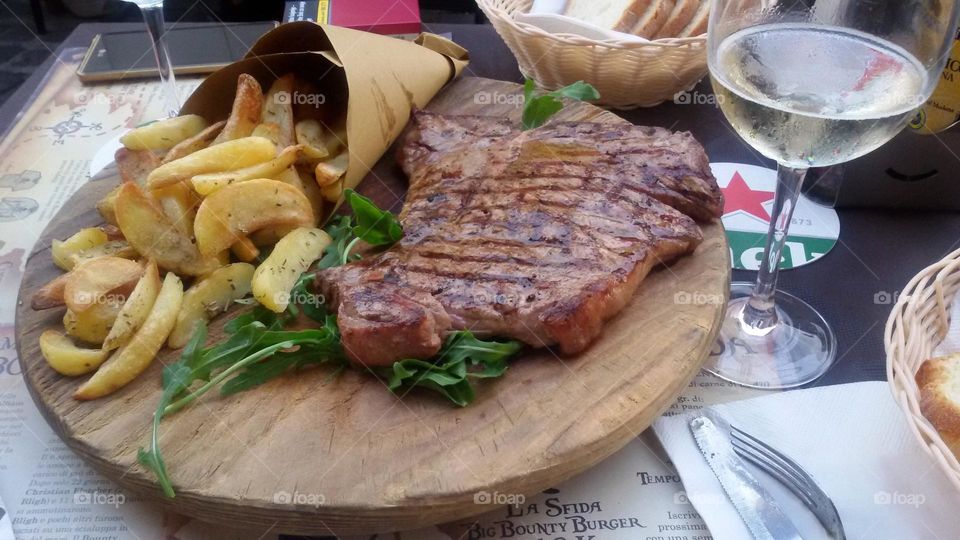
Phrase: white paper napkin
(853, 440)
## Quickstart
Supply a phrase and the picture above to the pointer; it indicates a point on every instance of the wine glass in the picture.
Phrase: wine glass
(811, 83)
(152, 11)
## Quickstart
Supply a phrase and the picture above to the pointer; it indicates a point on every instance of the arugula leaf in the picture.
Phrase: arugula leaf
(461, 358)
(538, 109)
(314, 347)
(374, 226)
(341, 230)
(309, 303)
(579, 91)
(254, 337)
(176, 378)
(258, 313)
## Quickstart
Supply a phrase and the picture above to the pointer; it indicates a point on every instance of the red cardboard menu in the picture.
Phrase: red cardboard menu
(379, 16)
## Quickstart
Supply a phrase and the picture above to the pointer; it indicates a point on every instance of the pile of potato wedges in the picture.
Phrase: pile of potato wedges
(183, 232)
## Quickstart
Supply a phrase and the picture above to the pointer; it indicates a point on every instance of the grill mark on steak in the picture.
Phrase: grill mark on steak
(689, 201)
(539, 235)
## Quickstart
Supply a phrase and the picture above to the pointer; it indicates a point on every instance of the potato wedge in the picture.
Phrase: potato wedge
(152, 234)
(93, 281)
(113, 248)
(278, 109)
(269, 236)
(107, 206)
(134, 357)
(135, 165)
(306, 184)
(50, 295)
(268, 130)
(197, 142)
(135, 309)
(65, 357)
(228, 156)
(239, 209)
(310, 135)
(62, 251)
(179, 203)
(332, 170)
(332, 192)
(245, 249)
(164, 134)
(335, 138)
(246, 112)
(208, 297)
(206, 184)
(93, 325)
(291, 257)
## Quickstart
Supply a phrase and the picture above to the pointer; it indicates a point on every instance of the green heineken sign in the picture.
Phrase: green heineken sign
(748, 198)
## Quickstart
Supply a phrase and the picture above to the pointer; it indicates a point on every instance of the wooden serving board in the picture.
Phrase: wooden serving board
(355, 458)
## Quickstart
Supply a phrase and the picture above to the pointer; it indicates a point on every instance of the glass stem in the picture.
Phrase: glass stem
(760, 314)
(153, 16)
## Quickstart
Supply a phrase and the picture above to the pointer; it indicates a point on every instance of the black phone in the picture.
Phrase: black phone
(194, 49)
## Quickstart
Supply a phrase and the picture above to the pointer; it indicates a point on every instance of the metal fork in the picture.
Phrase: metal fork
(791, 475)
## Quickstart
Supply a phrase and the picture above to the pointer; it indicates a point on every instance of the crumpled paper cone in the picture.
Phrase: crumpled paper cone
(378, 79)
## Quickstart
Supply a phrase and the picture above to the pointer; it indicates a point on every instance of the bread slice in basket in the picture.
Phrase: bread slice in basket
(619, 15)
(680, 16)
(651, 21)
(939, 382)
(698, 23)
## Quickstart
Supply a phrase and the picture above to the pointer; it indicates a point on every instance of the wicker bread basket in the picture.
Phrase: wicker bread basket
(627, 74)
(918, 323)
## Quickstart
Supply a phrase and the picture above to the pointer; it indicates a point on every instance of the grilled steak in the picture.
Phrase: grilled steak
(539, 236)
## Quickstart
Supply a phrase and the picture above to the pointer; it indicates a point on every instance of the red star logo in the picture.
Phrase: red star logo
(738, 196)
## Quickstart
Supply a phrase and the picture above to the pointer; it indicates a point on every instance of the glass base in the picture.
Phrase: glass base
(798, 349)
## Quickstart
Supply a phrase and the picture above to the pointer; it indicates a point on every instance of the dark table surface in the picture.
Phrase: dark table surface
(879, 250)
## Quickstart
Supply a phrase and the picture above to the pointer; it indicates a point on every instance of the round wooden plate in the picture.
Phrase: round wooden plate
(312, 455)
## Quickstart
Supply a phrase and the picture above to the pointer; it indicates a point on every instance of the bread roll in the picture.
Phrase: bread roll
(939, 383)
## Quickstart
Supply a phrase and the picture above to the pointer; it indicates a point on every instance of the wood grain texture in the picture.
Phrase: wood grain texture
(377, 462)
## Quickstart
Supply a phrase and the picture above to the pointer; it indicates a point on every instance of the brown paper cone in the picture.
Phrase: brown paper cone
(378, 79)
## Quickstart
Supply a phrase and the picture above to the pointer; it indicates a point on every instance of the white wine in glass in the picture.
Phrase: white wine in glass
(152, 11)
(811, 83)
